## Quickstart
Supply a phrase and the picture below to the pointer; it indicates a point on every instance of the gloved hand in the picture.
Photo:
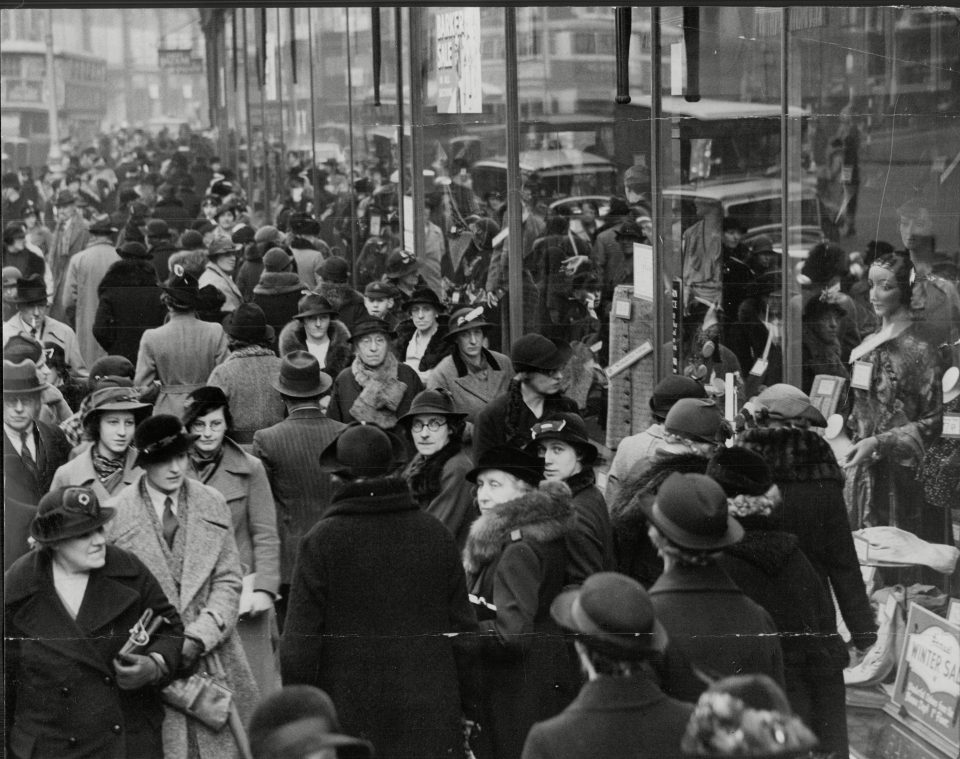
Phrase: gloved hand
(190, 653)
(135, 671)
(255, 603)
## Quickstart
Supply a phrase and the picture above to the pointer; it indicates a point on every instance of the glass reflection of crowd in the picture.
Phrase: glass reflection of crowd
(191, 395)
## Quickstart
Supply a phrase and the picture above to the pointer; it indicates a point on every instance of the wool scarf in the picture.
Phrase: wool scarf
(109, 471)
(424, 473)
(381, 392)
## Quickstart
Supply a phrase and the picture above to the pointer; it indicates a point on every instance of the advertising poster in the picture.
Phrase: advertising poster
(928, 677)
(458, 61)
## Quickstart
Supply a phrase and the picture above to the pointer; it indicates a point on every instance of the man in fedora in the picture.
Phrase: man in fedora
(32, 450)
(32, 320)
(85, 272)
(620, 711)
(288, 451)
(69, 238)
(377, 590)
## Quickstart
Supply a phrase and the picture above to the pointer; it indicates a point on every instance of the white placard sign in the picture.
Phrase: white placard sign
(644, 349)
(642, 271)
(459, 83)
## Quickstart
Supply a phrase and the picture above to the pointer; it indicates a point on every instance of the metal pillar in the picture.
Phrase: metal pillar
(54, 157)
(514, 202)
(416, 127)
(661, 361)
(401, 148)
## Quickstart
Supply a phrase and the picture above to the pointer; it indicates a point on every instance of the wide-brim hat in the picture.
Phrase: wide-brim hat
(301, 376)
(513, 461)
(30, 289)
(313, 304)
(400, 263)
(182, 286)
(537, 353)
(424, 296)
(248, 323)
(690, 510)
(21, 378)
(103, 226)
(67, 513)
(568, 428)
(116, 399)
(65, 198)
(438, 402)
(362, 450)
(612, 614)
(161, 437)
(465, 319)
(369, 325)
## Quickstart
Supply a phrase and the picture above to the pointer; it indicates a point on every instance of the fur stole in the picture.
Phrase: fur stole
(424, 473)
(625, 511)
(767, 550)
(794, 455)
(339, 294)
(293, 337)
(381, 392)
(277, 283)
(129, 272)
(541, 515)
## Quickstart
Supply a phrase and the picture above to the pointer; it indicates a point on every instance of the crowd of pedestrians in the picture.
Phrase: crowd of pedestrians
(356, 521)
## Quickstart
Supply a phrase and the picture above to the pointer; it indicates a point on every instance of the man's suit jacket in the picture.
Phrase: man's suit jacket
(613, 718)
(289, 451)
(53, 451)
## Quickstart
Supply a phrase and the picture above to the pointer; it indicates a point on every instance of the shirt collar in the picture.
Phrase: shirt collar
(157, 497)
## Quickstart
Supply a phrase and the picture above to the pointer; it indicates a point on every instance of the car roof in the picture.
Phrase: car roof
(739, 190)
(548, 160)
(711, 109)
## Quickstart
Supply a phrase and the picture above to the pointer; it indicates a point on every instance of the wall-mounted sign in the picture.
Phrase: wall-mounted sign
(459, 84)
(179, 61)
(928, 676)
(23, 91)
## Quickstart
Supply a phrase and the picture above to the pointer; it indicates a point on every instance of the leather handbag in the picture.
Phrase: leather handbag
(202, 696)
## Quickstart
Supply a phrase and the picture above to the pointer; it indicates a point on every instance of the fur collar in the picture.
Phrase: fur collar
(767, 550)
(461, 365)
(424, 474)
(277, 283)
(541, 516)
(129, 272)
(636, 490)
(794, 455)
(338, 294)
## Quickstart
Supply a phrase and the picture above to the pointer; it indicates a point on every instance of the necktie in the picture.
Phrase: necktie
(170, 523)
(25, 455)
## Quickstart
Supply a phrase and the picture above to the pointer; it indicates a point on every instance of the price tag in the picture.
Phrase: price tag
(951, 426)
(862, 375)
(621, 309)
(760, 367)
(375, 225)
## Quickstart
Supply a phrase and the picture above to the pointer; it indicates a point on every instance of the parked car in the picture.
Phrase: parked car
(555, 173)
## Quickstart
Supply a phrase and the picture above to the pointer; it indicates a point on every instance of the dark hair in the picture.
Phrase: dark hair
(175, 305)
(903, 274)
(876, 248)
(607, 665)
(91, 424)
(190, 416)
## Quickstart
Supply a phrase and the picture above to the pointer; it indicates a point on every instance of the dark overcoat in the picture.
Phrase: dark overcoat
(19, 481)
(516, 562)
(346, 390)
(507, 420)
(377, 588)
(590, 544)
(301, 491)
(61, 697)
(129, 305)
(613, 718)
(293, 337)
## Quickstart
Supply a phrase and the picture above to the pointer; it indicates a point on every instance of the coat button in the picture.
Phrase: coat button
(116, 729)
(64, 692)
(108, 680)
(72, 741)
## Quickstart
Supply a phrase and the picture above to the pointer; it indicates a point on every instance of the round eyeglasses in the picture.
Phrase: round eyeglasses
(433, 425)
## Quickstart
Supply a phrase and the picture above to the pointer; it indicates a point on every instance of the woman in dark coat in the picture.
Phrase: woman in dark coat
(376, 590)
(68, 610)
(516, 564)
(316, 329)
(129, 302)
(436, 474)
(278, 291)
(770, 568)
(568, 454)
(421, 339)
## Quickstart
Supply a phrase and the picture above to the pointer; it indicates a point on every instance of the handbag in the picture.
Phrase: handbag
(202, 696)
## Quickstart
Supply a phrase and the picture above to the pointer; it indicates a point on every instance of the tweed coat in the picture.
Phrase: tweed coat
(206, 592)
(129, 304)
(516, 561)
(301, 491)
(613, 718)
(84, 274)
(242, 481)
(53, 331)
(472, 391)
(180, 355)
(79, 471)
(293, 337)
(53, 450)
(246, 378)
(278, 294)
(62, 699)
(69, 238)
(377, 588)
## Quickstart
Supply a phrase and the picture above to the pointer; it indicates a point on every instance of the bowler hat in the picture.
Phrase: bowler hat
(201, 402)
(698, 419)
(103, 226)
(426, 297)
(612, 615)
(740, 471)
(313, 304)
(276, 260)
(160, 438)
(183, 287)
(568, 428)
(21, 379)
(134, 250)
(400, 263)
(300, 376)
(335, 270)
(690, 510)
(784, 402)
(536, 353)
(191, 239)
(21, 347)
(158, 228)
(248, 323)
(65, 198)
(369, 325)
(112, 366)
(671, 389)
(30, 289)
(520, 464)
(116, 399)
(243, 234)
(222, 248)
(378, 289)
(363, 450)
(464, 320)
(68, 513)
(438, 402)
(268, 233)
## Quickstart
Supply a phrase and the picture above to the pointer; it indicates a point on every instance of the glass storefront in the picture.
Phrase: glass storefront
(712, 180)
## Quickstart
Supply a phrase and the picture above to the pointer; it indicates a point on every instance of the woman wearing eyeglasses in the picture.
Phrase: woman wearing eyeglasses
(437, 473)
(568, 455)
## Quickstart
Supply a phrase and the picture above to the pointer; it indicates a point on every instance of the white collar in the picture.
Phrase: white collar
(879, 338)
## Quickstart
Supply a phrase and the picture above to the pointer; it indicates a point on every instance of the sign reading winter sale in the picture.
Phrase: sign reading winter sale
(458, 62)
(928, 678)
